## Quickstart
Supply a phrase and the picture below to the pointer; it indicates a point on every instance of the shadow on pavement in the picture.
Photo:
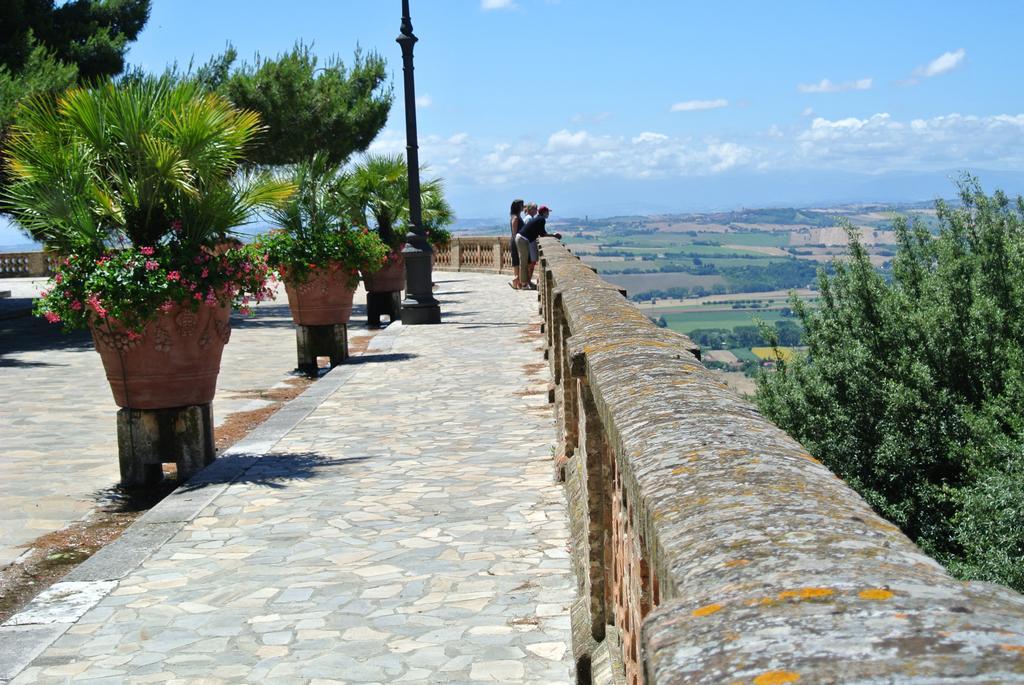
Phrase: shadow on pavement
(280, 316)
(272, 470)
(32, 334)
(375, 358)
(117, 499)
(454, 315)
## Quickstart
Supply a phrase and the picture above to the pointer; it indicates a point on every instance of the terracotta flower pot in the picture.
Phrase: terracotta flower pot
(173, 363)
(389, 278)
(325, 298)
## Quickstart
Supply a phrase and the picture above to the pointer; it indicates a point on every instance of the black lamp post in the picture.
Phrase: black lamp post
(419, 305)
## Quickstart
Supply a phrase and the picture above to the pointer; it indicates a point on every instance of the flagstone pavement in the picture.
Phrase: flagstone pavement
(58, 436)
(404, 527)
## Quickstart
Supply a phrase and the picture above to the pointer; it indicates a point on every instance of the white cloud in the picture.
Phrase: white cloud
(872, 144)
(808, 111)
(388, 142)
(725, 156)
(946, 62)
(698, 105)
(565, 139)
(880, 143)
(496, 4)
(649, 137)
(424, 101)
(826, 86)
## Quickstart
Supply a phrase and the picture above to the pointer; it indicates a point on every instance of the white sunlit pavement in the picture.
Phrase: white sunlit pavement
(58, 430)
(406, 530)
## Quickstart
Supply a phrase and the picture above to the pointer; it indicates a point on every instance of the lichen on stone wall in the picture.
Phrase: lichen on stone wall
(751, 562)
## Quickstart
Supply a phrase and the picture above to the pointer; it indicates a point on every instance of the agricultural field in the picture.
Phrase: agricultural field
(634, 283)
(712, 276)
(688, 319)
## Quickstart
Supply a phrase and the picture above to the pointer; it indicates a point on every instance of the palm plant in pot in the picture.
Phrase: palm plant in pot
(315, 252)
(376, 192)
(136, 188)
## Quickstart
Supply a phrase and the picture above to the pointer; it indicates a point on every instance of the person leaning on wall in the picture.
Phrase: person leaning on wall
(526, 244)
(516, 222)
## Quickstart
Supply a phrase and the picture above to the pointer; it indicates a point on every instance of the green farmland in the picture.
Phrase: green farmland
(686, 319)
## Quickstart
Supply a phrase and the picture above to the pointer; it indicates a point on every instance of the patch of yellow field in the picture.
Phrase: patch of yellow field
(769, 353)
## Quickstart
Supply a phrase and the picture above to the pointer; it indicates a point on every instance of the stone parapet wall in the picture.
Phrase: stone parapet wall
(713, 548)
(25, 264)
(488, 254)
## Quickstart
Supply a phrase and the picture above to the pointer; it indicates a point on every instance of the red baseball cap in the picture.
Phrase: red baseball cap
(544, 208)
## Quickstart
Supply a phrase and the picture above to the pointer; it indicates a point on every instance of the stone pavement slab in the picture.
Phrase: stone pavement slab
(58, 432)
(405, 529)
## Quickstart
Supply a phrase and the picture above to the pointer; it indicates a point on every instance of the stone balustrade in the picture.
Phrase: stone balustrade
(489, 254)
(710, 547)
(25, 264)
(482, 254)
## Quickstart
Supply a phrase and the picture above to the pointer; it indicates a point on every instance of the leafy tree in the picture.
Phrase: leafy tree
(91, 35)
(376, 193)
(334, 109)
(113, 166)
(40, 73)
(913, 389)
(46, 48)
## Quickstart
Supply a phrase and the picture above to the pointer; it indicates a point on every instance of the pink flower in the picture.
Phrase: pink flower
(198, 260)
(174, 276)
(96, 306)
(51, 317)
(148, 251)
(176, 226)
(152, 265)
(199, 296)
(76, 306)
(132, 335)
(167, 306)
(205, 272)
(58, 279)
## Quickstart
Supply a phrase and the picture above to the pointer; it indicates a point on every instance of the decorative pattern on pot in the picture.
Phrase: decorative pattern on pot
(390, 277)
(325, 298)
(174, 362)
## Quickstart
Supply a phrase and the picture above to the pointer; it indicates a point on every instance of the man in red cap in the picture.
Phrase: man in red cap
(526, 244)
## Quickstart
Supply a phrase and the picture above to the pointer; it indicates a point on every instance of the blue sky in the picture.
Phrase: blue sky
(606, 106)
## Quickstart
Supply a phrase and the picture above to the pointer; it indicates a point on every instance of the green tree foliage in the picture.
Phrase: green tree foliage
(45, 48)
(778, 275)
(40, 74)
(115, 165)
(91, 35)
(376, 193)
(913, 390)
(333, 109)
(784, 333)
